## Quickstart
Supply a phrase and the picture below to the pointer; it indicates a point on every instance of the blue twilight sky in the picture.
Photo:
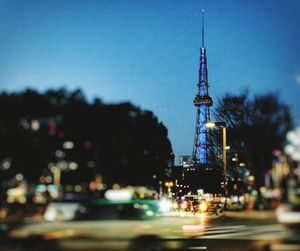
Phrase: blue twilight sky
(147, 52)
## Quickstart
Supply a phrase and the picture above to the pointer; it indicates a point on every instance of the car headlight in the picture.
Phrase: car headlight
(184, 205)
(203, 206)
(165, 205)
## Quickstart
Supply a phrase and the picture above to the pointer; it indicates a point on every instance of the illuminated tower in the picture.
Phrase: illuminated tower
(202, 102)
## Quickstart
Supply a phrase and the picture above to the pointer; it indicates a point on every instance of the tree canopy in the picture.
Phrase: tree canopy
(123, 143)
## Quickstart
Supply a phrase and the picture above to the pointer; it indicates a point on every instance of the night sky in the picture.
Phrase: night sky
(147, 52)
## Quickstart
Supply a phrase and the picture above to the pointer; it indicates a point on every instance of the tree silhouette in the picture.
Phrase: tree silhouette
(122, 142)
(255, 126)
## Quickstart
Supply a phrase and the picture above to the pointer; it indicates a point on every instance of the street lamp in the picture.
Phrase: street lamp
(213, 124)
(169, 184)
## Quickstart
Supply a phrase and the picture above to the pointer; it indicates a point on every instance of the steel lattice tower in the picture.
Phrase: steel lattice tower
(202, 102)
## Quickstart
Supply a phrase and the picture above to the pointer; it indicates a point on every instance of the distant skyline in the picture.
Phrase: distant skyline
(147, 52)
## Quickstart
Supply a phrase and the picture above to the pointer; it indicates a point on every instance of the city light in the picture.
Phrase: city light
(118, 195)
(68, 145)
(169, 185)
(293, 148)
(210, 124)
(73, 165)
(35, 125)
(60, 154)
(6, 164)
(165, 205)
(25, 124)
(203, 206)
(19, 177)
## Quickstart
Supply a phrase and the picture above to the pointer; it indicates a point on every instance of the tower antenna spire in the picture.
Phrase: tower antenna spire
(202, 28)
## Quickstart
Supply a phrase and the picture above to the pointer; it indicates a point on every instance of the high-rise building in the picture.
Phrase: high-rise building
(185, 161)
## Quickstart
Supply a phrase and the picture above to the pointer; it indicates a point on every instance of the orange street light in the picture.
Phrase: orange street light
(169, 184)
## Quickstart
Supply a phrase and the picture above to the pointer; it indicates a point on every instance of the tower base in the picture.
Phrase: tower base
(208, 179)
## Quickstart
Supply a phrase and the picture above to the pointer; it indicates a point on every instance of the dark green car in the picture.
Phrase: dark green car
(103, 209)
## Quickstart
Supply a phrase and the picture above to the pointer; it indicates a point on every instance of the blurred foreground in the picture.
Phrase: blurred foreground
(120, 221)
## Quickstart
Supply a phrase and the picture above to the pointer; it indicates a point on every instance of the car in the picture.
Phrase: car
(102, 224)
(103, 209)
(215, 205)
(189, 203)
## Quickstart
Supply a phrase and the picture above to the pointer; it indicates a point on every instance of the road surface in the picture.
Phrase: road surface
(234, 231)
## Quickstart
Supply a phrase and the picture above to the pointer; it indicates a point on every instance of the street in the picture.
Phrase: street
(232, 231)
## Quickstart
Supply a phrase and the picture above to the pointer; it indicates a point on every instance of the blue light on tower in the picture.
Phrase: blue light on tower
(202, 102)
